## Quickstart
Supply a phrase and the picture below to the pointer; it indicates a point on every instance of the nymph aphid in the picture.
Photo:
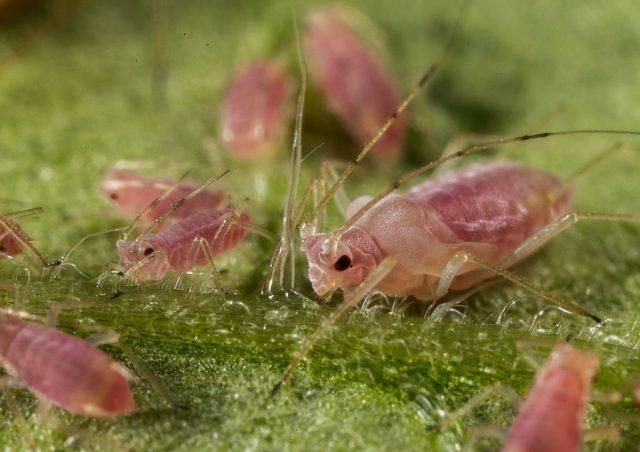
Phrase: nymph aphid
(64, 370)
(256, 109)
(354, 82)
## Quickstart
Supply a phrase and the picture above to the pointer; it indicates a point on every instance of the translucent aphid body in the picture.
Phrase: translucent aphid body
(64, 370)
(486, 210)
(257, 109)
(355, 84)
(12, 237)
(183, 245)
(130, 193)
(552, 416)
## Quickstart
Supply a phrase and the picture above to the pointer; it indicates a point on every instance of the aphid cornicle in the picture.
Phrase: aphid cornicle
(256, 109)
(130, 193)
(356, 85)
(64, 370)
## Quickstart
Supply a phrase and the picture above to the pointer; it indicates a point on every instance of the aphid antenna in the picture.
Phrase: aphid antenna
(351, 299)
(427, 76)
(287, 246)
(24, 213)
(22, 238)
(154, 203)
(472, 149)
(176, 205)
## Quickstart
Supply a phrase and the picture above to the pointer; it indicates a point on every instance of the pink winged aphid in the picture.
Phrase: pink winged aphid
(151, 256)
(257, 109)
(357, 87)
(130, 193)
(64, 370)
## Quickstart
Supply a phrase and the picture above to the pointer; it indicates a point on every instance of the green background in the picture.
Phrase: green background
(79, 97)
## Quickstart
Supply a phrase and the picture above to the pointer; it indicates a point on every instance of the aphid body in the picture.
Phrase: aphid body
(256, 109)
(174, 247)
(62, 369)
(131, 193)
(355, 84)
(486, 210)
(11, 237)
(552, 416)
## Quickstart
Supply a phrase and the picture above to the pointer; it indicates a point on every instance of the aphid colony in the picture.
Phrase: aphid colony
(447, 233)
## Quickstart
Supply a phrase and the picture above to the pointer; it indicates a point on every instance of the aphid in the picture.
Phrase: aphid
(191, 242)
(449, 233)
(64, 370)
(13, 239)
(356, 85)
(256, 109)
(131, 193)
(553, 414)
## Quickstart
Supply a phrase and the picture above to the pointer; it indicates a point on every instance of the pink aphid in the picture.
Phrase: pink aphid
(131, 193)
(486, 210)
(357, 87)
(551, 418)
(175, 247)
(256, 109)
(12, 237)
(64, 370)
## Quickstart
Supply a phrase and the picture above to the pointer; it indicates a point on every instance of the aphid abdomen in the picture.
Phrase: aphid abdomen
(500, 203)
(357, 87)
(552, 416)
(257, 109)
(9, 246)
(66, 371)
(177, 240)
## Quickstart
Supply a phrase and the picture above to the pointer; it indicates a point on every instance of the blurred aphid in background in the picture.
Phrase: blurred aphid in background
(257, 109)
(355, 84)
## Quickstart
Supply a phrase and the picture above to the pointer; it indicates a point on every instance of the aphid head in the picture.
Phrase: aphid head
(119, 188)
(344, 264)
(142, 261)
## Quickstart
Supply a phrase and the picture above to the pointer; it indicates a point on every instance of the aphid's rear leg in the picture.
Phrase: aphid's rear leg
(549, 232)
(461, 258)
(481, 397)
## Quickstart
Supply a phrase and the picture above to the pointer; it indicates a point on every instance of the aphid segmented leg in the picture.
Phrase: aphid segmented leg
(548, 232)
(608, 433)
(200, 245)
(329, 170)
(478, 399)
(351, 299)
(147, 374)
(461, 258)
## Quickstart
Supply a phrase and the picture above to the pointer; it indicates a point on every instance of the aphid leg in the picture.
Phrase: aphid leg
(147, 374)
(24, 213)
(549, 232)
(478, 432)
(351, 299)
(6, 386)
(604, 432)
(478, 399)
(437, 311)
(461, 258)
(200, 245)
(329, 170)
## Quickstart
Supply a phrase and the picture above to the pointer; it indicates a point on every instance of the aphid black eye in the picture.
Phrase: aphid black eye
(114, 196)
(148, 251)
(3, 248)
(342, 263)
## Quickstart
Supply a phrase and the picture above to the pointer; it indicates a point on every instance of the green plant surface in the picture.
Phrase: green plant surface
(79, 98)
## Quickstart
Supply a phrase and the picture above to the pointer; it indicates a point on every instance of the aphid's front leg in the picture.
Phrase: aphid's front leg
(462, 257)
